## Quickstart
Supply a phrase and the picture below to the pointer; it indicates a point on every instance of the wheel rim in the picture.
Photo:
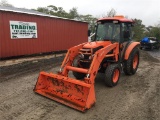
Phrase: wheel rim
(135, 61)
(116, 75)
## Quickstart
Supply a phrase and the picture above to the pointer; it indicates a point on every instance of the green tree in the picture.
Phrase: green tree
(43, 10)
(111, 13)
(138, 29)
(91, 21)
(154, 32)
(73, 13)
(53, 10)
(5, 3)
(62, 13)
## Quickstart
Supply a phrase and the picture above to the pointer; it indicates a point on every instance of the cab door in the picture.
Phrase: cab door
(126, 38)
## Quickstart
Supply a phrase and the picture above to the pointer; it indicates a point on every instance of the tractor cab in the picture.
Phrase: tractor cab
(114, 29)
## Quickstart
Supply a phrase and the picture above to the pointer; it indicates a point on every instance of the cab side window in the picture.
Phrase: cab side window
(126, 32)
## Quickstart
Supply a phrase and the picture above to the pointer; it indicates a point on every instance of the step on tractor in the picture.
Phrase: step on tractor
(110, 52)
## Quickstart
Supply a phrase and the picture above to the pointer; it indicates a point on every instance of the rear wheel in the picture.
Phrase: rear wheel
(112, 75)
(77, 75)
(130, 66)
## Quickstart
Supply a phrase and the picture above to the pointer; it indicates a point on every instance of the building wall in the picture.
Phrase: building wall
(54, 34)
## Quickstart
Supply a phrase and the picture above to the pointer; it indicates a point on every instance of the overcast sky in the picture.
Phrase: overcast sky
(146, 10)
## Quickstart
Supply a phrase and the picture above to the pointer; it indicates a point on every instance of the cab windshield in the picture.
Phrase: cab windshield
(108, 31)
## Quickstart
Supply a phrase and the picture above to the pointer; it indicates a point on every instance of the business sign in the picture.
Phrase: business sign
(19, 29)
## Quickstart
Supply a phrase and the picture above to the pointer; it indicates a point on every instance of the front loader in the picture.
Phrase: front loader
(111, 52)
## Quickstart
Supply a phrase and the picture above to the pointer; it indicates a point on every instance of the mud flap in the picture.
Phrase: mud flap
(71, 92)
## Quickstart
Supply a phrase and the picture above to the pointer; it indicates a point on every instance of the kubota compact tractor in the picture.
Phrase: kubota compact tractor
(111, 52)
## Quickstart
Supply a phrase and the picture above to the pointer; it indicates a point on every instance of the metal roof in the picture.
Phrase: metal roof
(32, 12)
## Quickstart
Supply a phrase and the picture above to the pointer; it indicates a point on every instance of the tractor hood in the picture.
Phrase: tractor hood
(97, 44)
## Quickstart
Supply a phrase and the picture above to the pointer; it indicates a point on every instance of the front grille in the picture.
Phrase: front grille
(86, 57)
(86, 53)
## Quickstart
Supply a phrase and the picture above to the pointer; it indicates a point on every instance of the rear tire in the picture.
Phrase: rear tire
(130, 66)
(112, 75)
(77, 75)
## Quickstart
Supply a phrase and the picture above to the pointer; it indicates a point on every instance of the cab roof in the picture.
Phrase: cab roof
(118, 18)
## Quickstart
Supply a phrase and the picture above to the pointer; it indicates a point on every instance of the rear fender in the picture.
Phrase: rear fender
(130, 48)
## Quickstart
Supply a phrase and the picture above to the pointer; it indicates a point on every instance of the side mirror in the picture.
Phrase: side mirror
(92, 37)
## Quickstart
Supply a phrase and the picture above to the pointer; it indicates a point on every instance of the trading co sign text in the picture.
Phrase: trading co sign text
(19, 29)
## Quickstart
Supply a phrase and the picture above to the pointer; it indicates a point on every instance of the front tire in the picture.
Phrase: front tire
(112, 75)
(77, 75)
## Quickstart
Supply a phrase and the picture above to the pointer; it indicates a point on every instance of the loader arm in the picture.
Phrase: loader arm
(71, 54)
(92, 72)
(98, 57)
(78, 94)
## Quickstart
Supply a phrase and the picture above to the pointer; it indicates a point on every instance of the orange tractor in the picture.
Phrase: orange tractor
(111, 52)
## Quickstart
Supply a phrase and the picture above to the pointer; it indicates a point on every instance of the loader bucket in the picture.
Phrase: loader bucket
(71, 92)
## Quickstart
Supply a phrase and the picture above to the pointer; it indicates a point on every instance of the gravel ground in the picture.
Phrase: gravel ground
(136, 97)
(155, 53)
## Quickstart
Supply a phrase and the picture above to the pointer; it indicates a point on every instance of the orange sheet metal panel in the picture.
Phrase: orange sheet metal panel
(54, 34)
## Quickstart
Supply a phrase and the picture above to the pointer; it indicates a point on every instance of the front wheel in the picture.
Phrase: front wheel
(112, 75)
(77, 75)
